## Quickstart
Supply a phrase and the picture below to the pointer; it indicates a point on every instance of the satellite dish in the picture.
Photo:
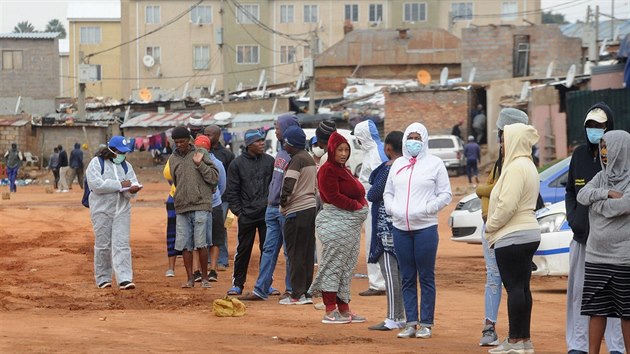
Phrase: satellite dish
(471, 76)
(443, 76)
(261, 79)
(549, 70)
(145, 94)
(213, 86)
(524, 91)
(221, 116)
(148, 61)
(423, 77)
(570, 76)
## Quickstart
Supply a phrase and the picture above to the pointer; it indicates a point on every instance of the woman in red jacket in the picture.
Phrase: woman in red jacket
(339, 228)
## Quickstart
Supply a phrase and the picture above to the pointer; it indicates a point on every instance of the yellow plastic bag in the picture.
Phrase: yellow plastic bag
(228, 307)
(229, 219)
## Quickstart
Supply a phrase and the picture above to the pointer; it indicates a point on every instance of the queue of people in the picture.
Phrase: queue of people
(300, 199)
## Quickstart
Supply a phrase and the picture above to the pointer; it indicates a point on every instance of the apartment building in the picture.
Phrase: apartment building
(230, 42)
(94, 28)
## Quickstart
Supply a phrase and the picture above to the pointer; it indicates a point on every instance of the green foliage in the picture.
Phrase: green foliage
(55, 25)
(548, 17)
(24, 27)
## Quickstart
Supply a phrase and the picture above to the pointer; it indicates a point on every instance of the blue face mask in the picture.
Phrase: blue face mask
(119, 159)
(594, 135)
(414, 147)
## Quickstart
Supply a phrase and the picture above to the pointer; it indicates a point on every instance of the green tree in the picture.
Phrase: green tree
(24, 27)
(55, 25)
(548, 17)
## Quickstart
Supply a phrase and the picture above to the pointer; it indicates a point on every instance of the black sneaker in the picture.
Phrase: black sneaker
(197, 276)
(105, 284)
(127, 285)
(212, 275)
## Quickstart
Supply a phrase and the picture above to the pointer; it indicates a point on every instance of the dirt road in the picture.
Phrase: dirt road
(49, 302)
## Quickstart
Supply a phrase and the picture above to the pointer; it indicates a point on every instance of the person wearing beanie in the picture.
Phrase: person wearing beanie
(249, 176)
(585, 164)
(274, 221)
(298, 205)
(489, 336)
(193, 178)
(195, 125)
(323, 132)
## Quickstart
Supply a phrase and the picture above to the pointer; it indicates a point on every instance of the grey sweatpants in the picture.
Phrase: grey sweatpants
(393, 286)
(577, 325)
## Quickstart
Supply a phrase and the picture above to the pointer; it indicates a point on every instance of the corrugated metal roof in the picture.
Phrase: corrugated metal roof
(247, 118)
(576, 29)
(14, 121)
(31, 35)
(104, 11)
(171, 119)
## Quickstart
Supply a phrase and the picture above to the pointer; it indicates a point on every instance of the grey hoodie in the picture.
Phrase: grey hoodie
(609, 218)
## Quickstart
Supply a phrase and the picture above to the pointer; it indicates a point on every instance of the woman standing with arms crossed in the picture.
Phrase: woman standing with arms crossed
(513, 232)
(339, 228)
(417, 188)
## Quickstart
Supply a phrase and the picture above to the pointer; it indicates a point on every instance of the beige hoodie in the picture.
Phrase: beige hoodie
(513, 198)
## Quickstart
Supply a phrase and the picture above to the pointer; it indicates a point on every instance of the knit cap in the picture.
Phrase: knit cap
(509, 116)
(295, 137)
(324, 130)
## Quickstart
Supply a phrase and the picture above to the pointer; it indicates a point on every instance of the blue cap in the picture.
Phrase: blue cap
(119, 143)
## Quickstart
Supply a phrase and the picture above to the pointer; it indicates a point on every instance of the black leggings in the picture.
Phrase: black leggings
(515, 267)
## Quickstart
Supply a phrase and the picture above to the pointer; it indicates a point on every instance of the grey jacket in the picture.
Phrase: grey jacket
(194, 183)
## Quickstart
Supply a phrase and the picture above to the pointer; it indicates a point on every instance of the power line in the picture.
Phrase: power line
(168, 23)
(528, 12)
(260, 24)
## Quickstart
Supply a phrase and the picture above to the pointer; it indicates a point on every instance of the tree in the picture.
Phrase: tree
(24, 27)
(548, 17)
(55, 25)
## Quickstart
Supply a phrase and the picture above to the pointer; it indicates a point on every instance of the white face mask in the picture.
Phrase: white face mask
(318, 152)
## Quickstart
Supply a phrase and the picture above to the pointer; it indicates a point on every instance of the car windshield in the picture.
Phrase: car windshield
(441, 143)
(549, 172)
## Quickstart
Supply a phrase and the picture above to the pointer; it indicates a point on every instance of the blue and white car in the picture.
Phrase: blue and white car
(552, 256)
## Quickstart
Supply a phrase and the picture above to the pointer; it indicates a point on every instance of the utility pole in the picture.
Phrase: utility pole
(81, 96)
(612, 20)
(311, 85)
(596, 34)
(223, 48)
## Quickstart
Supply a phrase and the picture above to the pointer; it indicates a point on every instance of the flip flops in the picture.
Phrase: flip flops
(273, 291)
(235, 290)
(189, 284)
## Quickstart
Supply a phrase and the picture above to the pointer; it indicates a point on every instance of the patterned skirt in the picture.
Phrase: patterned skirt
(606, 290)
(340, 234)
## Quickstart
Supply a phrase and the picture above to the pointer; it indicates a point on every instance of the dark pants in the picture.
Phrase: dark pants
(55, 172)
(12, 174)
(471, 169)
(246, 236)
(515, 267)
(299, 236)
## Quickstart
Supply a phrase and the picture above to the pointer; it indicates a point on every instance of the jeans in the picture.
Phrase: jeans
(515, 266)
(12, 174)
(493, 280)
(269, 257)
(223, 249)
(471, 169)
(190, 230)
(416, 252)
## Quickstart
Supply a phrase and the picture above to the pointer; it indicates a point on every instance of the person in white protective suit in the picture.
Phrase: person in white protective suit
(112, 182)
(374, 155)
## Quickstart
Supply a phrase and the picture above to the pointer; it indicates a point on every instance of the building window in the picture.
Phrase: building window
(155, 52)
(152, 14)
(247, 13)
(201, 57)
(90, 35)
(521, 56)
(352, 12)
(287, 54)
(310, 14)
(247, 54)
(376, 13)
(11, 60)
(307, 51)
(201, 14)
(509, 10)
(286, 13)
(462, 11)
(414, 12)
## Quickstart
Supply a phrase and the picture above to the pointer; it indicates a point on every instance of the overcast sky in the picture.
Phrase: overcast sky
(39, 12)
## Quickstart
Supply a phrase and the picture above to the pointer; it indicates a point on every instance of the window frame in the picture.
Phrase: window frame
(153, 20)
(311, 19)
(354, 12)
(411, 4)
(378, 12)
(288, 54)
(466, 17)
(194, 14)
(13, 54)
(240, 51)
(97, 33)
(513, 13)
(158, 57)
(241, 15)
(290, 15)
(195, 60)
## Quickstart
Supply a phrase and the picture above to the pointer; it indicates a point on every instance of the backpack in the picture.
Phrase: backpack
(86, 189)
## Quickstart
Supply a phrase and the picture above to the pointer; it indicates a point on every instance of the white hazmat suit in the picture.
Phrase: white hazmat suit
(110, 211)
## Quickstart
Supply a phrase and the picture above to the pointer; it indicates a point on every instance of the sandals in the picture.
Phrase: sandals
(205, 284)
(235, 290)
(274, 292)
(189, 284)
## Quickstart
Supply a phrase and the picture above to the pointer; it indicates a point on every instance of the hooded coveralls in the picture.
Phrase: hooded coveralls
(110, 212)
(374, 156)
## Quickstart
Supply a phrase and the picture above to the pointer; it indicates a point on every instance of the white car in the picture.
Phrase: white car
(466, 221)
(552, 256)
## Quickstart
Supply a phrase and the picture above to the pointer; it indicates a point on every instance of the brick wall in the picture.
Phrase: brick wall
(490, 50)
(48, 137)
(19, 135)
(438, 110)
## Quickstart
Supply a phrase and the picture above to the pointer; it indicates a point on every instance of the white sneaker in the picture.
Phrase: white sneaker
(64, 191)
(170, 273)
(509, 348)
(424, 332)
(408, 332)
(291, 301)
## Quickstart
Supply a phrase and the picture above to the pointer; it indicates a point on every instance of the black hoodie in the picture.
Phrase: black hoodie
(584, 166)
(247, 189)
